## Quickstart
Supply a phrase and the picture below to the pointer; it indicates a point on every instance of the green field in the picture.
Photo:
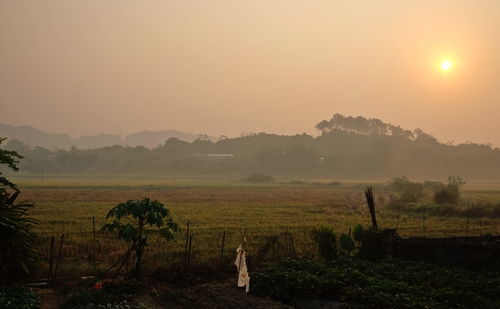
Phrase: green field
(257, 211)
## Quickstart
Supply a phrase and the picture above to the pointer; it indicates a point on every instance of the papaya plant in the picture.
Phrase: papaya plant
(131, 220)
(350, 242)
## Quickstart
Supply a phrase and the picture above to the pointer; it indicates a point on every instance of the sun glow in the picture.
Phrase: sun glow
(446, 65)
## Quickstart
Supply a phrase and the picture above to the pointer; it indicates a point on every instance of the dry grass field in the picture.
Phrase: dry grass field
(212, 208)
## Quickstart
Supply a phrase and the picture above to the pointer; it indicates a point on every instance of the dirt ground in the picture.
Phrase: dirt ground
(215, 294)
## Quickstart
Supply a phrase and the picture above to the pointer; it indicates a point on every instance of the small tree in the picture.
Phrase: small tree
(131, 220)
(450, 194)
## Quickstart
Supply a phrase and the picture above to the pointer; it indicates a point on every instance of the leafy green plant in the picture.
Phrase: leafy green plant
(16, 228)
(327, 243)
(131, 220)
(381, 284)
(346, 243)
(18, 298)
(357, 233)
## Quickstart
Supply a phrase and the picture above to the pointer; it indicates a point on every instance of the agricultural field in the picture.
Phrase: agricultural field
(250, 210)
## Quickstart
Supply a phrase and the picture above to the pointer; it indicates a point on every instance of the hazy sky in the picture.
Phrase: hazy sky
(227, 67)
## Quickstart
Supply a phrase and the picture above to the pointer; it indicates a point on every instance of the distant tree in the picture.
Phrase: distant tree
(131, 220)
(16, 228)
(408, 191)
(364, 126)
(450, 194)
(399, 184)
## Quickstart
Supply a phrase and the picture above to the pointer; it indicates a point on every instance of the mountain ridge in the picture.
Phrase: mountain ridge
(34, 137)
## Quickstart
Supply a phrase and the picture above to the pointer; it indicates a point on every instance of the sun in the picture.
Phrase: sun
(446, 65)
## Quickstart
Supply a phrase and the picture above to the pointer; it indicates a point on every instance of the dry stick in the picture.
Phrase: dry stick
(125, 261)
(467, 221)
(399, 213)
(293, 245)
(49, 274)
(186, 245)
(222, 246)
(93, 245)
(116, 262)
(59, 255)
(371, 206)
(189, 249)
(423, 220)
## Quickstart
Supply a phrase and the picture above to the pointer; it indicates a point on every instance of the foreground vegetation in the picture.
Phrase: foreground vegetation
(380, 284)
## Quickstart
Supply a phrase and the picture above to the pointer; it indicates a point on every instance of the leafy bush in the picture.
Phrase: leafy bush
(433, 185)
(357, 232)
(399, 184)
(327, 243)
(408, 191)
(346, 243)
(17, 237)
(381, 284)
(450, 194)
(258, 178)
(18, 298)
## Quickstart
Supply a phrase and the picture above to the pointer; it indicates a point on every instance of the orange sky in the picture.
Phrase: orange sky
(227, 67)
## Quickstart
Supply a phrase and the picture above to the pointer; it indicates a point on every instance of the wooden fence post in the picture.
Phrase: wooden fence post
(293, 245)
(222, 247)
(423, 220)
(59, 255)
(189, 249)
(187, 243)
(51, 254)
(93, 245)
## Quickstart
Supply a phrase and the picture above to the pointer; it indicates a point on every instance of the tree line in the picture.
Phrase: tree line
(347, 147)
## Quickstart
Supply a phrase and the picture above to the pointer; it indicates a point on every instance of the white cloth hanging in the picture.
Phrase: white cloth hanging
(241, 266)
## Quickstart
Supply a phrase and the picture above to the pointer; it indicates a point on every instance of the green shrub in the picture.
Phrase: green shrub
(18, 298)
(346, 243)
(327, 243)
(450, 194)
(357, 232)
(408, 191)
(381, 284)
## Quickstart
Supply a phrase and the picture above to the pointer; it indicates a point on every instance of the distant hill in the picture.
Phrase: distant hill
(35, 137)
(152, 139)
(347, 148)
